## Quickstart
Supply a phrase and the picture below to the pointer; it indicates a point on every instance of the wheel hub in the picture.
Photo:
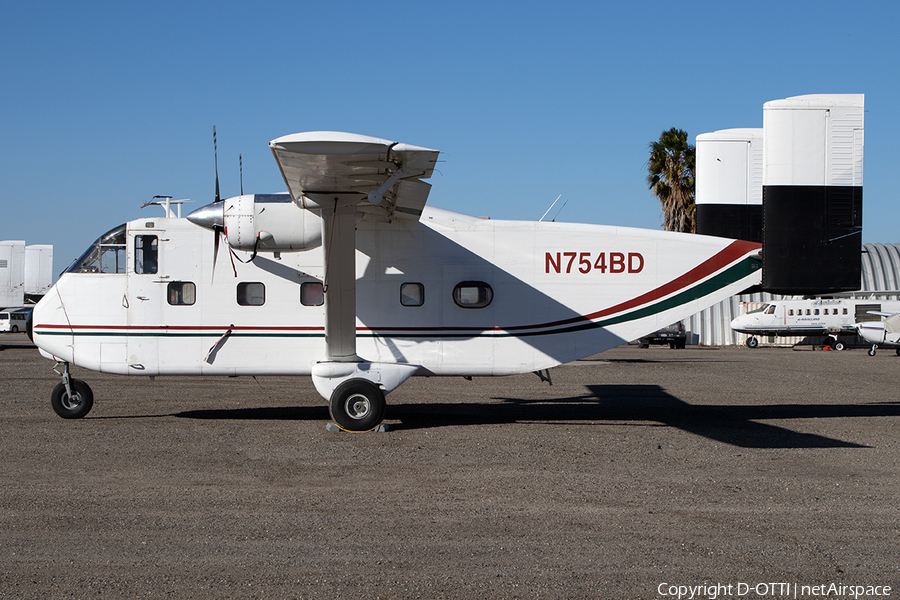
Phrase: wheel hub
(71, 402)
(357, 406)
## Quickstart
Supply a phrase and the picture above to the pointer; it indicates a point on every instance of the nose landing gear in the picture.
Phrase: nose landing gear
(72, 398)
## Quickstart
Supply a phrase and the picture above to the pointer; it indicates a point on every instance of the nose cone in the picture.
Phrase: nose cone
(211, 216)
(738, 323)
(872, 332)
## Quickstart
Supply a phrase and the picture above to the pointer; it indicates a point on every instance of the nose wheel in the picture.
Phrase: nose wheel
(71, 398)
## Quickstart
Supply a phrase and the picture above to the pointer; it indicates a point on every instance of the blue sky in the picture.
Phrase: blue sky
(105, 104)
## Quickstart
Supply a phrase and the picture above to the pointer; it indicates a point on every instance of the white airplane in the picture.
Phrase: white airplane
(881, 333)
(350, 279)
(815, 316)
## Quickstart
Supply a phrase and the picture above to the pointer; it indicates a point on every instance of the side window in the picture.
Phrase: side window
(146, 254)
(771, 310)
(412, 294)
(251, 294)
(790, 312)
(472, 294)
(312, 293)
(845, 311)
(181, 293)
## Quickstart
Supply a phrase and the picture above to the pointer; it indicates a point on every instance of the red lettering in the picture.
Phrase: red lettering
(640, 262)
(616, 262)
(549, 263)
(571, 256)
(585, 262)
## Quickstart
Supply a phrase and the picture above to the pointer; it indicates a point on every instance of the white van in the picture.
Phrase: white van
(13, 321)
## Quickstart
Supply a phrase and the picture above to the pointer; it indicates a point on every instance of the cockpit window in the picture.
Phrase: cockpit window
(759, 310)
(106, 255)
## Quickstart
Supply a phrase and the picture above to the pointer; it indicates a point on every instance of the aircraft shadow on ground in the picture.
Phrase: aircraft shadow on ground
(277, 413)
(630, 405)
(651, 405)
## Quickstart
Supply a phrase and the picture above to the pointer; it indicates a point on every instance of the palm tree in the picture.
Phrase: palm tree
(671, 179)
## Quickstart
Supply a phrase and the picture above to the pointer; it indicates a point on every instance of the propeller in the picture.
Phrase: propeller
(218, 230)
(212, 216)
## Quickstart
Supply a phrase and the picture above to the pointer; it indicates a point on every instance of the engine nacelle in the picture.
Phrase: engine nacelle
(274, 220)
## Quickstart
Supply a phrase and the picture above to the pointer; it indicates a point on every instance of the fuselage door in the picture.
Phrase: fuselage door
(145, 298)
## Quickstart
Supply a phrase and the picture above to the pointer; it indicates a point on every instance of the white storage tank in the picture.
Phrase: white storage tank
(812, 193)
(38, 269)
(729, 183)
(12, 273)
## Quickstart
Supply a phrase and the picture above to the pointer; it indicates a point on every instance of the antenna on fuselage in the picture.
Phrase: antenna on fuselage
(551, 208)
(553, 220)
(241, 167)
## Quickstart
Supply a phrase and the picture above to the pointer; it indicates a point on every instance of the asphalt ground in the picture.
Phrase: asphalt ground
(637, 471)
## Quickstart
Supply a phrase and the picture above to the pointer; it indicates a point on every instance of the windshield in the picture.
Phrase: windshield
(759, 310)
(106, 255)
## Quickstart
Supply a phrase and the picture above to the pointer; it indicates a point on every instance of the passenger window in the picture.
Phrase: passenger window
(790, 312)
(412, 294)
(816, 312)
(181, 293)
(251, 294)
(146, 254)
(472, 294)
(312, 293)
(807, 312)
(845, 311)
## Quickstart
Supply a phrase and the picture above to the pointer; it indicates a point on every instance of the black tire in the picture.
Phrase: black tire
(15, 329)
(898, 351)
(357, 405)
(74, 408)
(872, 351)
(752, 342)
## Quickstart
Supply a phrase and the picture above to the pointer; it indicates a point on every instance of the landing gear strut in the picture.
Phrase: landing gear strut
(72, 398)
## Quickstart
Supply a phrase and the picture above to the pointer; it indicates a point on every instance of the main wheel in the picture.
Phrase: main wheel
(357, 405)
(752, 342)
(872, 351)
(75, 407)
(838, 346)
(15, 329)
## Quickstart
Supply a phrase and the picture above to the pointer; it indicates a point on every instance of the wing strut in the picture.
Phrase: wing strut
(339, 243)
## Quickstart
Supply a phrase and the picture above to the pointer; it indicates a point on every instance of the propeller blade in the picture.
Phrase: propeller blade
(215, 253)
(216, 159)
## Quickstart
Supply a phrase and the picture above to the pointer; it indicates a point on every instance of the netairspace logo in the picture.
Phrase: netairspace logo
(724, 591)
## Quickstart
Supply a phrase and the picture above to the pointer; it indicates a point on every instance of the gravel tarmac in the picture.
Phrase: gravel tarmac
(638, 470)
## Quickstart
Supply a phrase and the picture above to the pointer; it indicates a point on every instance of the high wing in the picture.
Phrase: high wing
(383, 178)
(340, 175)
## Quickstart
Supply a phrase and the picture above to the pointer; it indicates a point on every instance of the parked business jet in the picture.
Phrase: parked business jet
(831, 318)
(351, 279)
(881, 333)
